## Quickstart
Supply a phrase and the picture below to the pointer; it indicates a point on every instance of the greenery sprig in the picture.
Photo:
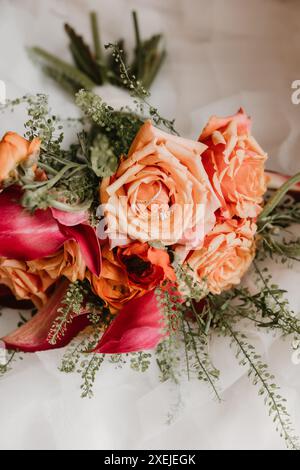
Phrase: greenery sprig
(260, 376)
(71, 306)
(139, 92)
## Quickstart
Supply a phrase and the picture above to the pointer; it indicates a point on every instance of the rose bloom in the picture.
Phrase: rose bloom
(235, 164)
(23, 284)
(113, 284)
(15, 150)
(146, 266)
(160, 192)
(226, 255)
(31, 280)
(129, 272)
(67, 262)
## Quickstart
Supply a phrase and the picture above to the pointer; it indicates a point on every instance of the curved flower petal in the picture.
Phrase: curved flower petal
(27, 237)
(89, 244)
(69, 219)
(137, 327)
(33, 335)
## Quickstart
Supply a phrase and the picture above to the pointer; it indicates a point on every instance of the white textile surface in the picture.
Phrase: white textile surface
(223, 54)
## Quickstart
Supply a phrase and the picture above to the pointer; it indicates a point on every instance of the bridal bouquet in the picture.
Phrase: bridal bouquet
(135, 239)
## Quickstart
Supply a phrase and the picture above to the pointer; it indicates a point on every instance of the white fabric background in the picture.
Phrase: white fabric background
(222, 54)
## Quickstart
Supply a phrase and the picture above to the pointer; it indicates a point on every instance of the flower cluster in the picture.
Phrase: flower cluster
(147, 253)
(169, 198)
(199, 200)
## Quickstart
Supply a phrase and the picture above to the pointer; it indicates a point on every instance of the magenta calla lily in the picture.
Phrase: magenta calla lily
(137, 327)
(25, 236)
(33, 336)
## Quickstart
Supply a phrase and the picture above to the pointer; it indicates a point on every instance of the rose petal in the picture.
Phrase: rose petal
(137, 327)
(69, 219)
(33, 335)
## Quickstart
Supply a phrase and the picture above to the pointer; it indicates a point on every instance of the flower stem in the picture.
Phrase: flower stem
(138, 43)
(277, 198)
(96, 35)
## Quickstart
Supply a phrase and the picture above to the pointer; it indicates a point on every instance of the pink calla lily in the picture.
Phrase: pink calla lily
(33, 336)
(137, 327)
(26, 236)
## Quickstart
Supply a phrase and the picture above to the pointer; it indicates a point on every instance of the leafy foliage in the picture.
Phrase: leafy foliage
(92, 67)
(275, 237)
(138, 91)
(7, 364)
(71, 306)
(260, 376)
(183, 325)
(119, 127)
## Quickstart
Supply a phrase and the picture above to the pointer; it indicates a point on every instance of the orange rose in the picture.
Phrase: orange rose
(235, 164)
(113, 285)
(15, 150)
(160, 192)
(23, 284)
(146, 266)
(227, 253)
(30, 280)
(66, 262)
(129, 272)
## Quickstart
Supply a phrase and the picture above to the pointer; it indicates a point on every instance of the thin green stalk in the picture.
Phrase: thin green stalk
(265, 385)
(147, 82)
(96, 36)
(280, 193)
(48, 168)
(138, 43)
(70, 208)
(198, 318)
(55, 179)
(4, 368)
(186, 350)
(283, 311)
(200, 362)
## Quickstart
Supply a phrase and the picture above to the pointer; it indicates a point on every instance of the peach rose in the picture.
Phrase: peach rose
(23, 284)
(113, 285)
(30, 280)
(66, 262)
(160, 192)
(15, 150)
(235, 164)
(227, 253)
